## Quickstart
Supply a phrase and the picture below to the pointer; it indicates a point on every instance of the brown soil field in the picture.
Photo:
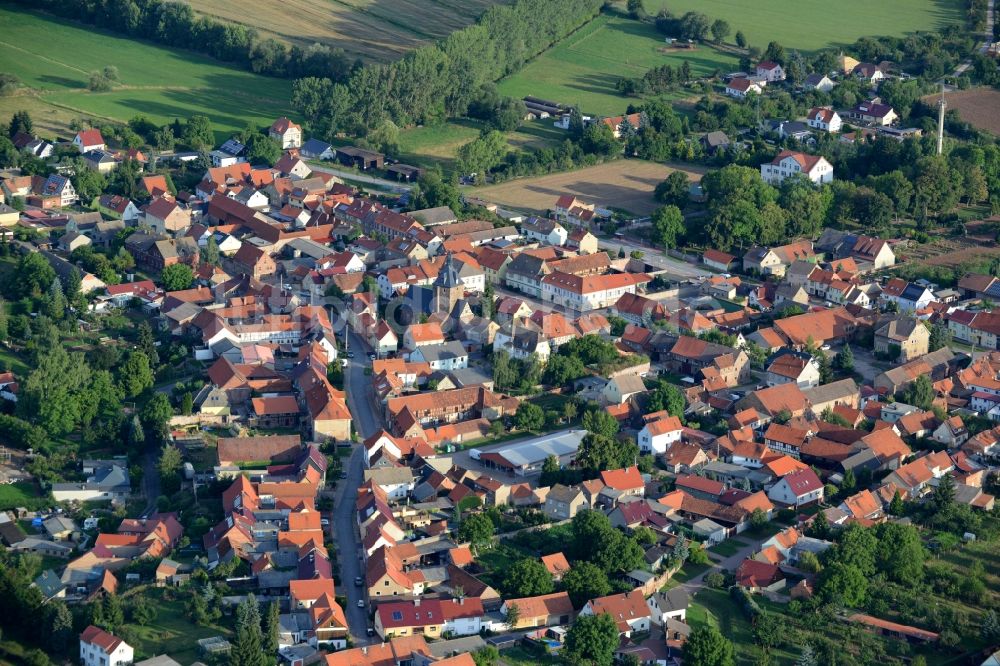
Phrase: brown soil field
(963, 256)
(375, 30)
(980, 107)
(624, 184)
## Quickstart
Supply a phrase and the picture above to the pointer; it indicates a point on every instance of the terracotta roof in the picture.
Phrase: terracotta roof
(556, 564)
(102, 639)
(803, 482)
(623, 479)
(557, 603)
(699, 483)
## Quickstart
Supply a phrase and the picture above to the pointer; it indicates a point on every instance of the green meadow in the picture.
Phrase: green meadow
(54, 58)
(583, 68)
(810, 25)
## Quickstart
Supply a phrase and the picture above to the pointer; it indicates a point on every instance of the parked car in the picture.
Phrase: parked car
(361, 603)
(358, 581)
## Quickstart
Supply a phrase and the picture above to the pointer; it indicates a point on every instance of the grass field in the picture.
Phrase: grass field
(371, 29)
(22, 493)
(808, 26)
(583, 68)
(54, 59)
(171, 632)
(624, 184)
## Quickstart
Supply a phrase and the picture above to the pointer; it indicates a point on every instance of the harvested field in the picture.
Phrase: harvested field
(950, 252)
(978, 107)
(624, 184)
(375, 30)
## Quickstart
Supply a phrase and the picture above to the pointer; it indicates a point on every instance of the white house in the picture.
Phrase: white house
(823, 118)
(88, 140)
(669, 605)
(586, 293)
(449, 355)
(656, 437)
(740, 88)
(788, 163)
(544, 230)
(396, 482)
(287, 133)
(820, 82)
(797, 489)
(770, 71)
(99, 648)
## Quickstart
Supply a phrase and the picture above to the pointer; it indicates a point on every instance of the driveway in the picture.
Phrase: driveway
(354, 176)
(343, 528)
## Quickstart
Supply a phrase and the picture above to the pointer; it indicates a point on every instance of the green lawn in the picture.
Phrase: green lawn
(22, 493)
(809, 26)
(583, 68)
(171, 633)
(520, 656)
(716, 608)
(55, 57)
(728, 548)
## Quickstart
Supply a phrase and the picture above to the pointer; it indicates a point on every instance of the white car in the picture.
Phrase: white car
(361, 603)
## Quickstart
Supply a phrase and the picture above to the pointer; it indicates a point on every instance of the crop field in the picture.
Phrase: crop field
(624, 184)
(977, 106)
(812, 25)
(583, 68)
(54, 58)
(375, 30)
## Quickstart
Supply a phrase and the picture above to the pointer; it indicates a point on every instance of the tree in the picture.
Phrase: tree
(247, 647)
(483, 153)
(177, 277)
(9, 84)
(477, 530)
(741, 40)
(990, 626)
(920, 393)
(807, 657)
(940, 337)
(668, 222)
(486, 656)
(850, 482)
(943, 497)
(720, 30)
(114, 613)
(635, 8)
(758, 518)
(60, 625)
(598, 453)
(673, 191)
(33, 276)
(820, 527)
(528, 578)
(599, 422)
(585, 581)
(842, 584)
(170, 462)
(270, 631)
(530, 416)
(20, 123)
(512, 617)
(667, 397)
(707, 647)
(197, 132)
(617, 553)
(592, 640)
(900, 553)
(681, 550)
(135, 375)
(767, 630)
(154, 416)
(896, 507)
(809, 563)
(142, 611)
(844, 360)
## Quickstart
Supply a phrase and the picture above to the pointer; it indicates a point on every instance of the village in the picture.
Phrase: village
(423, 435)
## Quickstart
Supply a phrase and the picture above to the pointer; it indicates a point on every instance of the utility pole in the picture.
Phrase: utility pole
(941, 106)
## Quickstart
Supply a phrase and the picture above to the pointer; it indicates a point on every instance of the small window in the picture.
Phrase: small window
(396, 615)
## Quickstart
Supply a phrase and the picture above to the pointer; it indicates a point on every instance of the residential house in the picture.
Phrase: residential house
(99, 648)
(824, 118)
(628, 610)
(564, 502)
(820, 82)
(89, 139)
(797, 489)
(544, 230)
(429, 617)
(622, 388)
(286, 133)
(770, 71)
(657, 436)
(444, 356)
(587, 293)
(799, 368)
(789, 163)
(740, 87)
(165, 215)
(908, 335)
(908, 297)
(776, 260)
(873, 113)
(546, 610)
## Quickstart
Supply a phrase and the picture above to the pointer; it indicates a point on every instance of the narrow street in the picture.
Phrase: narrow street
(343, 528)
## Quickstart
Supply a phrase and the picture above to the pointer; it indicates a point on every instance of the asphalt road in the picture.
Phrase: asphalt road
(344, 528)
(390, 185)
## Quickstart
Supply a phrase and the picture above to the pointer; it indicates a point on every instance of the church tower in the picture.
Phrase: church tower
(448, 287)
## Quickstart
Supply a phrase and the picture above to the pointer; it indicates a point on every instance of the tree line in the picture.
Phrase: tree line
(443, 79)
(176, 24)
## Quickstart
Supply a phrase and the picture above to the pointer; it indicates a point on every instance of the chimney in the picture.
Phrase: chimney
(416, 602)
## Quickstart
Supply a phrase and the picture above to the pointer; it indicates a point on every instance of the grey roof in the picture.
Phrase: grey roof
(159, 660)
(456, 646)
(561, 493)
(314, 147)
(437, 215)
(469, 377)
(443, 351)
(535, 451)
(30, 543)
(111, 477)
(448, 276)
(900, 328)
(526, 264)
(716, 139)
(831, 391)
(673, 599)
(389, 475)
(48, 584)
(57, 524)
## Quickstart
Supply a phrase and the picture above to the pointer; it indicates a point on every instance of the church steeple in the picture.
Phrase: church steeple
(448, 286)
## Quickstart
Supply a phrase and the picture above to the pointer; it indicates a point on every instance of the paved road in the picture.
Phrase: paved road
(675, 268)
(390, 185)
(696, 584)
(343, 528)
(987, 37)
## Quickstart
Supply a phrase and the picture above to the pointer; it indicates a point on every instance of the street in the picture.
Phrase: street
(343, 528)
(675, 268)
(345, 174)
